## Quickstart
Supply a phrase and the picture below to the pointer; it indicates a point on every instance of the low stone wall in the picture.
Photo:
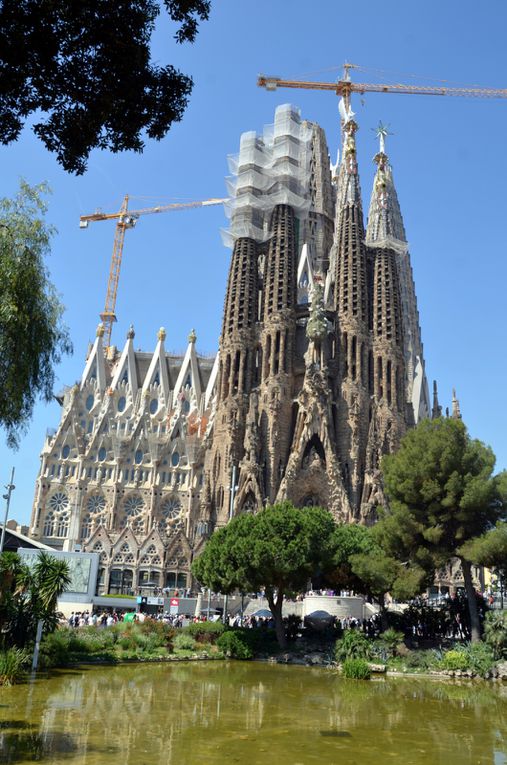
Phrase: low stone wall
(341, 606)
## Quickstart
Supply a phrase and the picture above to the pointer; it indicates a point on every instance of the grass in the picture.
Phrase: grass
(13, 663)
(356, 669)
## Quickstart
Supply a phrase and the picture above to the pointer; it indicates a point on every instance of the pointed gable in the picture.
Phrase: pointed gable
(157, 371)
(95, 369)
(126, 372)
(188, 377)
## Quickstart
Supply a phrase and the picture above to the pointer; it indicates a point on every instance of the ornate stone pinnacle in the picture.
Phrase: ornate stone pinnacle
(161, 334)
(100, 330)
(192, 336)
(131, 333)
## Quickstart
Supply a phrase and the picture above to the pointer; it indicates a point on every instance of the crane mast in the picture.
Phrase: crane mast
(126, 219)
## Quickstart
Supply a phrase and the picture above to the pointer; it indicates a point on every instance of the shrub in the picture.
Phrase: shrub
(495, 632)
(12, 666)
(356, 669)
(205, 632)
(353, 645)
(480, 657)
(455, 660)
(184, 642)
(54, 650)
(423, 660)
(392, 639)
(233, 645)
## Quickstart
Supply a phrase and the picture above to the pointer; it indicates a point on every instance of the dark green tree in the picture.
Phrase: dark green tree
(442, 493)
(32, 335)
(278, 549)
(348, 539)
(84, 70)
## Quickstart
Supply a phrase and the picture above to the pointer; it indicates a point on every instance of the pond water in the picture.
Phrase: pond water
(249, 713)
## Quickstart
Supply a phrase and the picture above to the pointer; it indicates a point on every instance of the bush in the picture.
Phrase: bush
(184, 642)
(392, 639)
(12, 666)
(455, 660)
(55, 650)
(205, 632)
(233, 645)
(495, 632)
(480, 657)
(423, 660)
(353, 645)
(356, 669)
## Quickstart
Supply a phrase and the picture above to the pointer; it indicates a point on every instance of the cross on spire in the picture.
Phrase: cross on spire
(382, 132)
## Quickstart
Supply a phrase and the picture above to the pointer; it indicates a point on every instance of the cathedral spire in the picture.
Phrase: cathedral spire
(436, 411)
(385, 224)
(456, 412)
(385, 232)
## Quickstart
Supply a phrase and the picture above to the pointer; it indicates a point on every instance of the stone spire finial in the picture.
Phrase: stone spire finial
(131, 332)
(161, 334)
(456, 413)
(192, 336)
(437, 409)
(100, 330)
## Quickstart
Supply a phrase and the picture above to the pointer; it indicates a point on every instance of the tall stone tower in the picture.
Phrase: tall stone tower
(321, 366)
(319, 373)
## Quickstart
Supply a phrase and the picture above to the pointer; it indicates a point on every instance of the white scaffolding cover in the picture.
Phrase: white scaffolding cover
(269, 170)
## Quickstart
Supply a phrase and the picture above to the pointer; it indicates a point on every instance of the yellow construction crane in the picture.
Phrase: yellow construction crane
(127, 219)
(345, 87)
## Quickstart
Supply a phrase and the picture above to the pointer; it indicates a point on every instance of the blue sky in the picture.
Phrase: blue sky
(449, 162)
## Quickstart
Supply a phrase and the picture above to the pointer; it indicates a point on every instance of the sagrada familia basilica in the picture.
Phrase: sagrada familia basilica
(320, 371)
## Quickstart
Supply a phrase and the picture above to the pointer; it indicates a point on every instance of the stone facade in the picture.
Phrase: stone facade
(319, 373)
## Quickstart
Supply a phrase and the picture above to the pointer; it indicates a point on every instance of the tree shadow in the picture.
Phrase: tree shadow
(29, 746)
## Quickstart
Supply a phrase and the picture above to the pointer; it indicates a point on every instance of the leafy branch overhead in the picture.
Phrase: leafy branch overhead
(85, 70)
(33, 337)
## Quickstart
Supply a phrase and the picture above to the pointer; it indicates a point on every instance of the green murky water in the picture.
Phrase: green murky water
(249, 713)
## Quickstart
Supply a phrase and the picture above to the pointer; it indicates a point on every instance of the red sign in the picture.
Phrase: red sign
(175, 602)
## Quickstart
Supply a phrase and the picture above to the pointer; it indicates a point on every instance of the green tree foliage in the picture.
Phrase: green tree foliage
(84, 70)
(442, 494)
(32, 335)
(277, 549)
(489, 550)
(348, 539)
(29, 594)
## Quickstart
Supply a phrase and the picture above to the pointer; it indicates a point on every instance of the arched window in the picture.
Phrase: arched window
(62, 528)
(86, 528)
(90, 400)
(49, 525)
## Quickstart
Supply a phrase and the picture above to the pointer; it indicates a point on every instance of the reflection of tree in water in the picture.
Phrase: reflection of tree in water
(213, 712)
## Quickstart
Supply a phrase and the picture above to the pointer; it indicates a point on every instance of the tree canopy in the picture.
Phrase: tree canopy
(84, 70)
(32, 335)
(442, 493)
(278, 549)
(489, 550)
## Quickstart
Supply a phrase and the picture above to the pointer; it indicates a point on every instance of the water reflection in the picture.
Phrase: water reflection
(218, 713)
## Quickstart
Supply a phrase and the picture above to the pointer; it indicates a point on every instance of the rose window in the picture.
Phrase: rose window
(59, 501)
(171, 508)
(96, 503)
(134, 505)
